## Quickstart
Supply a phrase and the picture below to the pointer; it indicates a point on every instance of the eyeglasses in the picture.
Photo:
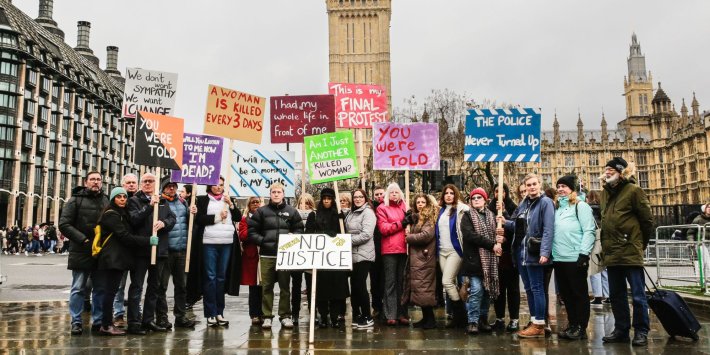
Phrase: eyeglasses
(477, 197)
(148, 181)
(255, 202)
(95, 179)
(354, 197)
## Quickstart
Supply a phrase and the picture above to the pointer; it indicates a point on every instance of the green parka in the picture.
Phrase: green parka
(627, 223)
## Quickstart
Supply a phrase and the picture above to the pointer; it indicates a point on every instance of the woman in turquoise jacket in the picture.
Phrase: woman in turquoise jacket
(573, 242)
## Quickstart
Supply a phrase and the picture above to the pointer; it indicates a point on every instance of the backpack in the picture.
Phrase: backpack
(97, 245)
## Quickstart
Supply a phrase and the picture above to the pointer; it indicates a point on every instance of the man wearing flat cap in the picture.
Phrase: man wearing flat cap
(627, 226)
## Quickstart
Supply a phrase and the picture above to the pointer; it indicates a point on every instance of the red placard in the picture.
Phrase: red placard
(359, 105)
(295, 117)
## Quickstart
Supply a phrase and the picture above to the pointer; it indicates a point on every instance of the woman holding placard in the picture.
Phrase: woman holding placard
(217, 227)
(330, 297)
(420, 284)
(360, 224)
(449, 245)
(250, 263)
(391, 222)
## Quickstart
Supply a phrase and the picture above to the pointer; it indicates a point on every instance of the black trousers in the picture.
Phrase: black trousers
(334, 308)
(358, 286)
(509, 287)
(296, 282)
(173, 266)
(572, 282)
(141, 267)
(255, 301)
(377, 282)
(109, 280)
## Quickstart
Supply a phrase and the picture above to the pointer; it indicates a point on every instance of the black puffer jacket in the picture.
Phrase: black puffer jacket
(140, 214)
(117, 253)
(77, 222)
(269, 221)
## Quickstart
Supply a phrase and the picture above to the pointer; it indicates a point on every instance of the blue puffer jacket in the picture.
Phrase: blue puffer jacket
(541, 223)
(177, 238)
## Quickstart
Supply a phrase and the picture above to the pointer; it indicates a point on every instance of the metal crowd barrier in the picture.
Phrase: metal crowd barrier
(681, 263)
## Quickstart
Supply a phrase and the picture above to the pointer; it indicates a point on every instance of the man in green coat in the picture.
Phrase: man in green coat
(627, 225)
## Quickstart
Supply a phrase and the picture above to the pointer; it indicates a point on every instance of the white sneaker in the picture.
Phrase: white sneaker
(287, 323)
(266, 324)
(212, 321)
(27, 253)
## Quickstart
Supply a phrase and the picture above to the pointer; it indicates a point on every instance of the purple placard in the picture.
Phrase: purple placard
(201, 160)
(405, 146)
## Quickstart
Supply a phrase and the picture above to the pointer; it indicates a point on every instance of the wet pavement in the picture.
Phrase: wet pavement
(31, 327)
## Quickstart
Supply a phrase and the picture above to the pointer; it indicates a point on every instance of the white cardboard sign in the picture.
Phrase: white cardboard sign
(314, 251)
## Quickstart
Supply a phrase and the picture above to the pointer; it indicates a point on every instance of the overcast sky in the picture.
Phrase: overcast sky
(563, 55)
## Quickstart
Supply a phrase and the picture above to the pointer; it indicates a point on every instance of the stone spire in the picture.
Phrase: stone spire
(696, 108)
(580, 129)
(605, 133)
(556, 129)
(636, 62)
(683, 110)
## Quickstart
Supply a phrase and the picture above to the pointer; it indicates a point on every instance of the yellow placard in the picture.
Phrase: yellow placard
(235, 115)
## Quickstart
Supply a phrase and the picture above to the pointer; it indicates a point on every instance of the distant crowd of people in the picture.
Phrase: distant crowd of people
(37, 240)
(453, 250)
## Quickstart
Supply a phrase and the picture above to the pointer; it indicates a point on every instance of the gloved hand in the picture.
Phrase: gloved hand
(341, 215)
(583, 261)
(405, 222)
(154, 240)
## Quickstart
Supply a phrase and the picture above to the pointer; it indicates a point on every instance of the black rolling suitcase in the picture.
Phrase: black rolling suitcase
(672, 312)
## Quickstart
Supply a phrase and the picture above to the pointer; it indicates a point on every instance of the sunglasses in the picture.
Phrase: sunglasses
(477, 197)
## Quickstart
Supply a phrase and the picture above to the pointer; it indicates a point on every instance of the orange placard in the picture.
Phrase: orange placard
(235, 115)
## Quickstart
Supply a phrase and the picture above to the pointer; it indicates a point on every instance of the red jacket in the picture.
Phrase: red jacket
(250, 256)
(389, 222)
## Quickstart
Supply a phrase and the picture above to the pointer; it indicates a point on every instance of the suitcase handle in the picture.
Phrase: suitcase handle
(649, 279)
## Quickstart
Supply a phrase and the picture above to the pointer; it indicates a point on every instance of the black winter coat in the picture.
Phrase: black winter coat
(79, 217)
(333, 284)
(117, 253)
(268, 222)
(472, 241)
(140, 214)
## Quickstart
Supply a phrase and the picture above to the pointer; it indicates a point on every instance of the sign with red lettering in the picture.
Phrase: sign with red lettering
(159, 141)
(359, 105)
(405, 146)
(294, 117)
(235, 115)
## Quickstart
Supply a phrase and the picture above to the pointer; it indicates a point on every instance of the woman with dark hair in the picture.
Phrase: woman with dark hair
(449, 245)
(333, 290)
(509, 278)
(115, 256)
(360, 224)
(250, 263)
(216, 218)
(420, 284)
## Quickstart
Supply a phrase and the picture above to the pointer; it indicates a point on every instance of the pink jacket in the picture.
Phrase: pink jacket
(389, 222)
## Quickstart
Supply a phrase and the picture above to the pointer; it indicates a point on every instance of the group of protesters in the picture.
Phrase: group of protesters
(38, 240)
(464, 250)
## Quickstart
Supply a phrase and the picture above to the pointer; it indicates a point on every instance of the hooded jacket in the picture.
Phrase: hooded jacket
(116, 254)
(360, 223)
(141, 219)
(574, 230)
(268, 222)
(540, 224)
(389, 221)
(420, 280)
(79, 217)
(627, 222)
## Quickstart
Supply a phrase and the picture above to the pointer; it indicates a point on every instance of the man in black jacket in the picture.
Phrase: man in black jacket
(77, 223)
(140, 210)
(265, 226)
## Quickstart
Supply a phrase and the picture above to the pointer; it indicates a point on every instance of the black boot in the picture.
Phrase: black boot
(460, 314)
(428, 321)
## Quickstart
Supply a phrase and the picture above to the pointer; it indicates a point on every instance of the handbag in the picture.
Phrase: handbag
(533, 245)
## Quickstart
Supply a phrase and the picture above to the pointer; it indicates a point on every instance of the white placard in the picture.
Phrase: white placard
(150, 91)
(314, 251)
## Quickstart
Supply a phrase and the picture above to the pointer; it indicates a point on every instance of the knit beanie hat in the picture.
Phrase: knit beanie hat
(327, 192)
(479, 191)
(617, 163)
(117, 191)
(567, 180)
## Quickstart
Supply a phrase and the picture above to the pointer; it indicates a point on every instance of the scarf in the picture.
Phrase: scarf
(216, 197)
(484, 225)
(169, 198)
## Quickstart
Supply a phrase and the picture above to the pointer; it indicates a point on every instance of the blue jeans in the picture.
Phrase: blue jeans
(76, 297)
(534, 281)
(618, 276)
(216, 262)
(118, 302)
(478, 300)
(600, 284)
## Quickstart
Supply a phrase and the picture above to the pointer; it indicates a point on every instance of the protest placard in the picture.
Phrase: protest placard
(235, 115)
(405, 146)
(294, 117)
(201, 160)
(314, 251)
(149, 91)
(359, 105)
(158, 141)
(257, 169)
(331, 157)
(503, 135)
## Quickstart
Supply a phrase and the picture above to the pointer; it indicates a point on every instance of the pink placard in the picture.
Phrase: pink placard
(359, 105)
(405, 146)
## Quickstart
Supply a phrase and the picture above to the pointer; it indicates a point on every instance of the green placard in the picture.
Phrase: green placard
(331, 157)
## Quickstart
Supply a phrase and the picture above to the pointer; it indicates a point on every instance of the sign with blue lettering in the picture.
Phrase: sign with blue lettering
(503, 135)
(257, 169)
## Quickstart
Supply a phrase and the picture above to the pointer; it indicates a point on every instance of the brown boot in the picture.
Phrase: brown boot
(533, 331)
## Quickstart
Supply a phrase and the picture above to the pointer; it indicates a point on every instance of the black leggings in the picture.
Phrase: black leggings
(334, 308)
(509, 286)
(296, 282)
(358, 285)
(109, 281)
(572, 281)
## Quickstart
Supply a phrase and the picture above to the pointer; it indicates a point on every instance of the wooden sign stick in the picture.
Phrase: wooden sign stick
(225, 193)
(303, 169)
(190, 223)
(362, 158)
(500, 193)
(154, 248)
